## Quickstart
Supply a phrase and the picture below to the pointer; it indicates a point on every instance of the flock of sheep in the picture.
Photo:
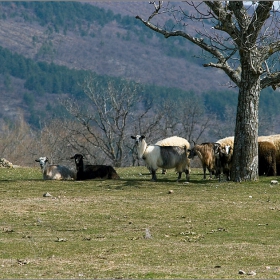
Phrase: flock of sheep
(216, 157)
(173, 152)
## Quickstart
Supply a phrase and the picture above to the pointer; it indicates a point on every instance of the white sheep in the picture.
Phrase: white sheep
(55, 172)
(173, 141)
(166, 157)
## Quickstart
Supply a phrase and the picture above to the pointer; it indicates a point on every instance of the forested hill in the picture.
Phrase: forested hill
(47, 48)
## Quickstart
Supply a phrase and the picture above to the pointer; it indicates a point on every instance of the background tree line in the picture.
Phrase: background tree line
(41, 77)
(100, 125)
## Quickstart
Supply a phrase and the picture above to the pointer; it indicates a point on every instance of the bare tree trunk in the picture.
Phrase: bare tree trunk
(245, 155)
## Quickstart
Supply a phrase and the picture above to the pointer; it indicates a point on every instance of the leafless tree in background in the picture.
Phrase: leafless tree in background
(115, 112)
(187, 119)
(244, 43)
(195, 122)
(53, 141)
(111, 116)
(15, 140)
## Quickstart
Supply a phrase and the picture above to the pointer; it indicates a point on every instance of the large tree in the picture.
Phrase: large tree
(244, 42)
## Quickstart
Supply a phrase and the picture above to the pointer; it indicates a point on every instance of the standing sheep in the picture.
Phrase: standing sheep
(268, 154)
(223, 161)
(267, 158)
(173, 141)
(227, 145)
(55, 172)
(275, 139)
(166, 157)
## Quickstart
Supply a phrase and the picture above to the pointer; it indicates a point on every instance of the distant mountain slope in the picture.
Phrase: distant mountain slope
(112, 49)
(104, 37)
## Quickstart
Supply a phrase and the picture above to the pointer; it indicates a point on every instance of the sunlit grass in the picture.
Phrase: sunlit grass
(97, 229)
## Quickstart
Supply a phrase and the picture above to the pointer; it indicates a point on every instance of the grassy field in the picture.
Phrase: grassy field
(135, 228)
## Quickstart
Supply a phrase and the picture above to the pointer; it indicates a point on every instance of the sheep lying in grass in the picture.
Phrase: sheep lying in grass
(55, 172)
(166, 157)
(85, 172)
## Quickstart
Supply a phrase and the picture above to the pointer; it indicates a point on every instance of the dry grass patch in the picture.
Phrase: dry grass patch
(98, 229)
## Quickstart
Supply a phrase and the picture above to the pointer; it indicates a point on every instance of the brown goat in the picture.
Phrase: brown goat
(267, 158)
(206, 154)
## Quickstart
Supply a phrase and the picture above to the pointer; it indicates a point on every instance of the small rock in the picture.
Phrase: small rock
(47, 195)
(241, 272)
(22, 262)
(273, 182)
(253, 273)
(147, 234)
(61, 239)
(87, 238)
(170, 191)
(5, 163)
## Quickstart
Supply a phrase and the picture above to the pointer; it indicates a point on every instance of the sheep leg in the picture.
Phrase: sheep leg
(210, 172)
(204, 172)
(187, 175)
(179, 176)
(228, 175)
(154, 176)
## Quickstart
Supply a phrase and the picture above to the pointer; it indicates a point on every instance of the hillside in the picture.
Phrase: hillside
(108, 48)
(108, 52)
(103, 37)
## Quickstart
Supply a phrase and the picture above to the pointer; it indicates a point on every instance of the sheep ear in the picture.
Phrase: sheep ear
(37, 160)
(143, 136)
(133, 137)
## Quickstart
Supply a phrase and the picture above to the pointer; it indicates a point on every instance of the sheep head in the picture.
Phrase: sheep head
(138, 139)
(78, 159)
(43, 161)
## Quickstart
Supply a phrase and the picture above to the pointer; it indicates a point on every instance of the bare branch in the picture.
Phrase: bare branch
(233, 74)
(260, 16)
(271, 80)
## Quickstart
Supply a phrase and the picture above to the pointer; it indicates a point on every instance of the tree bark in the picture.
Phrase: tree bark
(245, 155)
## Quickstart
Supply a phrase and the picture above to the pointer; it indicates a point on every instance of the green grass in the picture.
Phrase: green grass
(96, 229)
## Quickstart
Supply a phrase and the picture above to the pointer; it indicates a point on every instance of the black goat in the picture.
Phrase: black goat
(89, 171)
